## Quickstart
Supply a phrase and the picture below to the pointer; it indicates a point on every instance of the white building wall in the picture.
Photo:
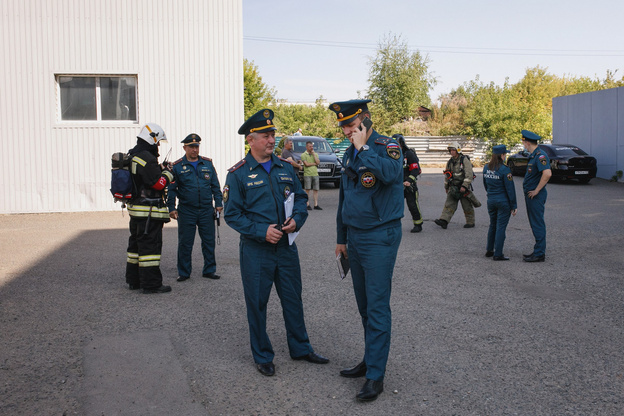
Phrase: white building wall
(187, 55)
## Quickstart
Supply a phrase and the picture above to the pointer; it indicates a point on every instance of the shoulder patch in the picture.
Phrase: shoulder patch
(283, 160)
(236, 166)
(177, 161)
(383, 140)
(510, 176)
(206, 158)
(393, 149)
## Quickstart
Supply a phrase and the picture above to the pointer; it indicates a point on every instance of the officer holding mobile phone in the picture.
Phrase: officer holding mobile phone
(370, 208)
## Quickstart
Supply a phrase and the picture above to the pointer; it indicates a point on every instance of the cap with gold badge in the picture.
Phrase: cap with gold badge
(192, 140)
(347, 111)
(530, 136)
(261, 122)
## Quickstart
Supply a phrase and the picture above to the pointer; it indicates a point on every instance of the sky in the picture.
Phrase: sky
(308, 49)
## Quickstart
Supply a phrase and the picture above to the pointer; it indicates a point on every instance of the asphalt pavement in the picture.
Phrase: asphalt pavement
(470, 336)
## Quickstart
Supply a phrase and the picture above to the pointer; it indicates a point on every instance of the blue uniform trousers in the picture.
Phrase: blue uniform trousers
(535, 211)
(499, 211)
(372, 254)
(190, 220)
(262, 265)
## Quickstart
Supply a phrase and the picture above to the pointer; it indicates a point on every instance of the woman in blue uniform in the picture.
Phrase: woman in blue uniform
(501, 201)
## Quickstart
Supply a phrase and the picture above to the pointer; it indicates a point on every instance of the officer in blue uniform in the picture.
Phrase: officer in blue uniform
(501, 202)
(370, 208)
(257, 192)
(534, 186)
(195, 186)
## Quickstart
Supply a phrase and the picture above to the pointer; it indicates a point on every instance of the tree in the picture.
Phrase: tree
(314, 120)
(399, 80)
(257, 94)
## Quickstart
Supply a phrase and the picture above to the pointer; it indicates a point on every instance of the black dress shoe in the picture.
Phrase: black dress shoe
(309, 208)
(134, 286)
(468, 225)
(317, 207)
(266, 369)
(313, 358)
(534, 259)
(161, 289)
(442, 223)
(489, 253)
(527, 255)
(417, 228)
(370, 390)
(213, 276)
(500, 258)
(355, 372)
(183, 278)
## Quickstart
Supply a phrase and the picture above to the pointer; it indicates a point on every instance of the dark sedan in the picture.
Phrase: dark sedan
(566, 162)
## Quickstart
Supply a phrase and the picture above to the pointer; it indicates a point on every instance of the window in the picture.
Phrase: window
(97, 98)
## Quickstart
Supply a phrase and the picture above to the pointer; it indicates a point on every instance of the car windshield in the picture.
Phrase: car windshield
(320, 146)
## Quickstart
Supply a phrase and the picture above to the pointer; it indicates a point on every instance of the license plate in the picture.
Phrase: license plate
(323, 170)
(581, 172)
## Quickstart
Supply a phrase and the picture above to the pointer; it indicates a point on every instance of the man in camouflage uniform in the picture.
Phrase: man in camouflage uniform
(458, 177)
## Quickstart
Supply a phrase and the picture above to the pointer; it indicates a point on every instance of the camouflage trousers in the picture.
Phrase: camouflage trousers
(450, 206)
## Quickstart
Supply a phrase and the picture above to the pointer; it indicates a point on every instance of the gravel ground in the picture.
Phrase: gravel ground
(470, 336)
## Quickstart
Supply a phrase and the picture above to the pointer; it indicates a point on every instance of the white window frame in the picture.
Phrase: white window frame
(98, 102)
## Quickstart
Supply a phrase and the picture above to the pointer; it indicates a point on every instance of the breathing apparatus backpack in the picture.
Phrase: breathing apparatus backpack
(121, 178)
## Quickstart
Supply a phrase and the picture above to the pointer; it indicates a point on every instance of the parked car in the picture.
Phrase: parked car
(329, 169)
(566, 162)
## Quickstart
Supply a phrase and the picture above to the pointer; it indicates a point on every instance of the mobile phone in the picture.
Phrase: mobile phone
(367, 122)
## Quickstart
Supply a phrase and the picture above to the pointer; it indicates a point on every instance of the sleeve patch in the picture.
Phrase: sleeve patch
(393, 150)
(510, 176)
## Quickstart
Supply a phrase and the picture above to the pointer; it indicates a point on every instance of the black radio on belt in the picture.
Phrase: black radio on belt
(352, 174)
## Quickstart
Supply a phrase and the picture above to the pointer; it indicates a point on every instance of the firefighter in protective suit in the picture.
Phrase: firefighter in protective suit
(411, 170)
(148, 212)
(458, 177)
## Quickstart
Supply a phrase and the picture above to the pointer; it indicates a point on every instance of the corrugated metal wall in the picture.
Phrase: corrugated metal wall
(594, 121)
(187, 55)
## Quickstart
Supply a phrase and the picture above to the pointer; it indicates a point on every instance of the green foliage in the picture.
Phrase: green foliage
(448, 115)
(617, 176)
(257, 94)
(399, 81)
(499, 113)
(315, 120)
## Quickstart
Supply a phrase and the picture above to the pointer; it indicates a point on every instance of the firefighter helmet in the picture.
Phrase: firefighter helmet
(152, 133)
(454, 145)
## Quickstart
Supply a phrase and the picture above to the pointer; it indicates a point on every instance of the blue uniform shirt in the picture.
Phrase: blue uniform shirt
(194, 187)
(538, 162)
(371, 186)
(254, 198)
(499, 185)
